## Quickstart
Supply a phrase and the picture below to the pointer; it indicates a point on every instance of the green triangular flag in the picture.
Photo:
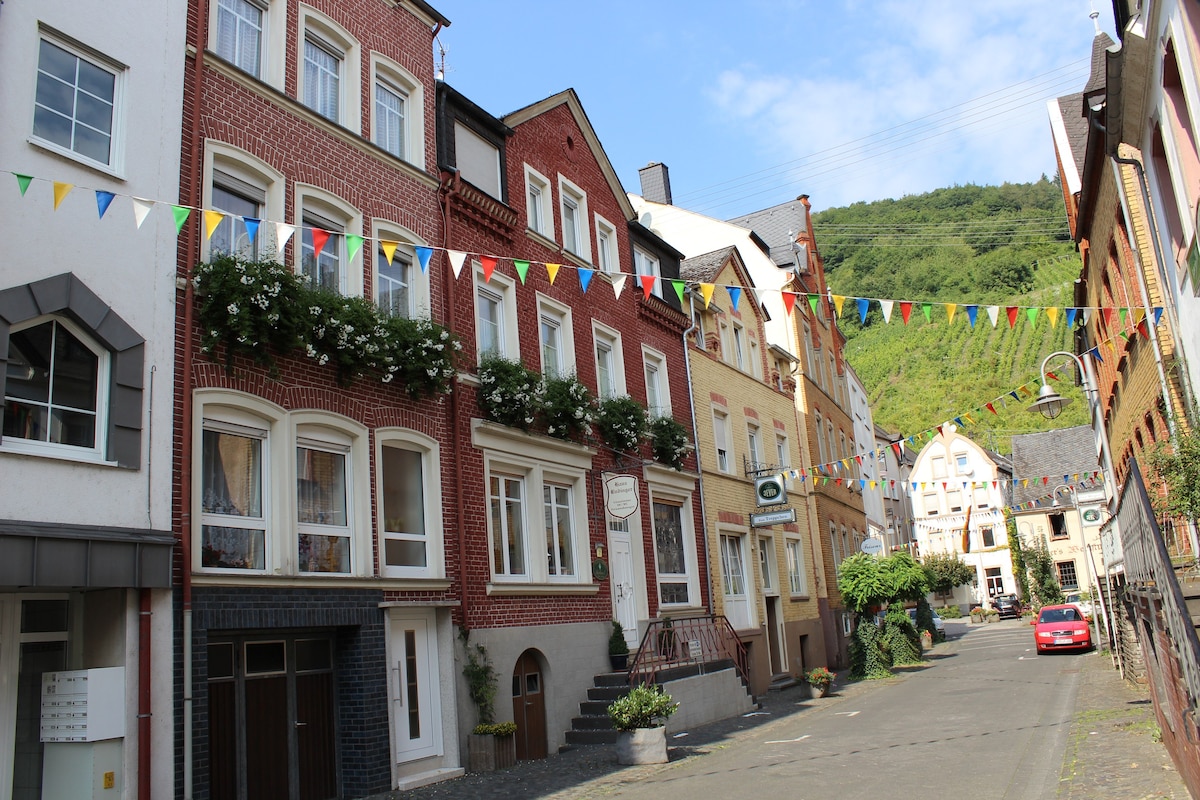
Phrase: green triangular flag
(927, 309)
(813, 299)
(679, 287)
(23, 181)
(1032, 313)
(522, 268)
(353, 244)
(181, 215)
(1123, 312)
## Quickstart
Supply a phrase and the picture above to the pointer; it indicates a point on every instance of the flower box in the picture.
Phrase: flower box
(486, 753)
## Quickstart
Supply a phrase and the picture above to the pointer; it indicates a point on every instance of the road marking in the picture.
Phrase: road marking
(847, 713)
(788, 741)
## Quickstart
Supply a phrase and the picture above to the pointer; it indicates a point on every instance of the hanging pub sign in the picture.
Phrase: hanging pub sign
(621, 496)
(769, 491)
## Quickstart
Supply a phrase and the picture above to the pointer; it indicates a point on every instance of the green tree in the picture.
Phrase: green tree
(1017, 552)
(946, 571)
(900, 637)
(1176, 466)
(1044, 581)
(862, 583)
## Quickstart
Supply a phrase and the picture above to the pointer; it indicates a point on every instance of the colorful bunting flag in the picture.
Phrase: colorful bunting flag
(23, 182)
(706, 292)
(103, 201)
(735, 294)
(522, 268)
(457, 259)
(141, 208)
(423, 256)
(61, 190)
(838, 301)
(585, 278)
(972, 313)
(251, 227)
(320, 238)
(886, 307)
(1012, 316)
(679, 287)
(905, 310)
(354, 243)
(211, 220)
(618, 285)
(647, 285)
(950, 309)
(552, 272)
(927, 310)
(283, 232)
(489, 266)
(813, 300)
(181, 215)
(789, 301)
(863, 305)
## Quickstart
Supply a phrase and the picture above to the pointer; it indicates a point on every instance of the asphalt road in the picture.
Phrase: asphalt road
(986, 717)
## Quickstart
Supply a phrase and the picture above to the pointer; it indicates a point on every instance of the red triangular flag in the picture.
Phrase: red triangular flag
(319, 238)
(992, 409)
(1012, 315)
(647, 286)
(789, 301)
(905, 310)
(489, 265)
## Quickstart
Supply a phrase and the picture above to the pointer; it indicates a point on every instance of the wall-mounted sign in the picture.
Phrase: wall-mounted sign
(621, 496)
(1091, 515)
(871, 546)
(770, 491)
(769, 518)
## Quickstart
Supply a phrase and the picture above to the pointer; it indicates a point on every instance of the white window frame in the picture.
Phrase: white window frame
(782, 451)
(537, 462)
(398, 80)
(328, 35)
(754, 451)
(319, 440)
(558, 316)
(954, 501)
(756, 368)
(646, 264)
(95, 453)
(115, 163)
(656, 361)
(608, 249)
(768, 565)
(673, 488)
(797, 577)
(737, 334)
(931, 503)
(539, 205)
(434, 536)
(604, 337)
(502, 290)
(241, 165)
(272, 41)
(822, 453)
(962, 464)
(571, 198)
(722, 444)
(281, 431)
(734, 581)
(835, 548)
(982, 496)
(312, 201)
(234, 57)
(382, 230)
(937, 467)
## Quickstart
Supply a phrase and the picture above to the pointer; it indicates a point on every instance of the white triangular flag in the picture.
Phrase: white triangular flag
(618, 282)
(456, 261)
(993, 313)
(141, 208)
(283, 232)
(886, 305)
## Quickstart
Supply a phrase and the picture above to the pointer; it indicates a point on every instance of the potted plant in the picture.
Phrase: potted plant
(491, 745)
(640, 718)
(976, 614)
(821, 679)
(618, 649)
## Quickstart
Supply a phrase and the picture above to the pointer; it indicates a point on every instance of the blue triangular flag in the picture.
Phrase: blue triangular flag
(585, 277)
(863, 304)
(251, 227)
(103, 200)
(1071, 317)
(735, 294)
(972, 312)
(1157, 315)
(423, 255)
(1096, 354)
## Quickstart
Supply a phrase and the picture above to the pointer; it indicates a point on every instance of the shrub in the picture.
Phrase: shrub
(819, 677)
(900, 637)
(621, 423)
(670, 442)
(617, 646)
(643, 707)
(950, 612)
(482, 682)
(566, 407)
(509, 392)
(495, 729)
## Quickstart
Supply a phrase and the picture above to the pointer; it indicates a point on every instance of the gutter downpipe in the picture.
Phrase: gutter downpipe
(185, 424)
(687, 368)
(448, 188)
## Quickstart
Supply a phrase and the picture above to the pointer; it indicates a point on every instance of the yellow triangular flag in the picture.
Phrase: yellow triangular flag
(1052, 313)
(389, 249)
(211, 220)
(1139, 314)
(950, 309)
(61, 190)
(706, 291)
(552, 271)
(838, 300)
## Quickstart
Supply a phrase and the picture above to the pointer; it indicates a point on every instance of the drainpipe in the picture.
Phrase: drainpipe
(449, 188)
(143, 715)
(190, 251)
(687, 366)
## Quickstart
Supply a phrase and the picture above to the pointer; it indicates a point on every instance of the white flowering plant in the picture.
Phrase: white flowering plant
(261, 309)
(567, 407)
(670, 442)
(621, 423)
(509, 392)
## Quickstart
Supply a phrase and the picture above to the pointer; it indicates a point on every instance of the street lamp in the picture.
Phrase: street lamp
(1050, 403)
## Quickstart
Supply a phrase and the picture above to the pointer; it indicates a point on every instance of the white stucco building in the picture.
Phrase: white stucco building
(958, 490)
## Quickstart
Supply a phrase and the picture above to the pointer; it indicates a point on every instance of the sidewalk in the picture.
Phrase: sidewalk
(1111, 750)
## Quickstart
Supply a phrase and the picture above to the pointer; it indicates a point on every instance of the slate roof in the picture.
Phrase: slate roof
(1098, 79)
(704, 267)
(1076, 125)
(773, 225)
(1064, 451)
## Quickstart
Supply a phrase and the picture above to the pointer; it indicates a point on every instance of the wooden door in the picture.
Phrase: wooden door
(529, 707)
(314, 736)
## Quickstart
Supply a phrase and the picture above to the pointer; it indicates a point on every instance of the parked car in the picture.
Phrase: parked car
(1076, 599)
(1007, 605)
(1061, 627)
(938, 625)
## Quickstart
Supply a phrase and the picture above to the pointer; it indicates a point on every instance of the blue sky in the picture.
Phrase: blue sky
(753, 103)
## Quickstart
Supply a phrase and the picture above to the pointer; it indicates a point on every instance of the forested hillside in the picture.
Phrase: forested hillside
(986, 245)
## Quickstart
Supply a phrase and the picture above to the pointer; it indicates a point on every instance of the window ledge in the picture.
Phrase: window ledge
(542, 589)
(308, 581)
(544, 240)
(37, 452)
(800, 598)
(83, 161)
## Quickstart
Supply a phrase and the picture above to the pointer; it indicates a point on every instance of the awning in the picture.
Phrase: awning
(51, 555)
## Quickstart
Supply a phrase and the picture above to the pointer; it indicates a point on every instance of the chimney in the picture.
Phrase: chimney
(656, 183)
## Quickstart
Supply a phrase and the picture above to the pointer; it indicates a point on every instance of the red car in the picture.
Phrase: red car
(1062, 627)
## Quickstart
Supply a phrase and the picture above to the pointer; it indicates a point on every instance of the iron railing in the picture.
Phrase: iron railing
(687, 642)
(1148, 570)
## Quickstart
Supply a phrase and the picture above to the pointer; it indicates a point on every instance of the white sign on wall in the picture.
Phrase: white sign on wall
(621, 496)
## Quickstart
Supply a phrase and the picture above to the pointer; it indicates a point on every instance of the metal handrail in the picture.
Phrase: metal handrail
(687, 641)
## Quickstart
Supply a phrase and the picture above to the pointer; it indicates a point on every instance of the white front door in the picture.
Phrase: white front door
(738, 609)
(415, 696)
(624, 591)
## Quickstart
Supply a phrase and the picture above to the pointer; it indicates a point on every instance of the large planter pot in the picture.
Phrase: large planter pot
(486, 753)
(642, 746)
(619, 663)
